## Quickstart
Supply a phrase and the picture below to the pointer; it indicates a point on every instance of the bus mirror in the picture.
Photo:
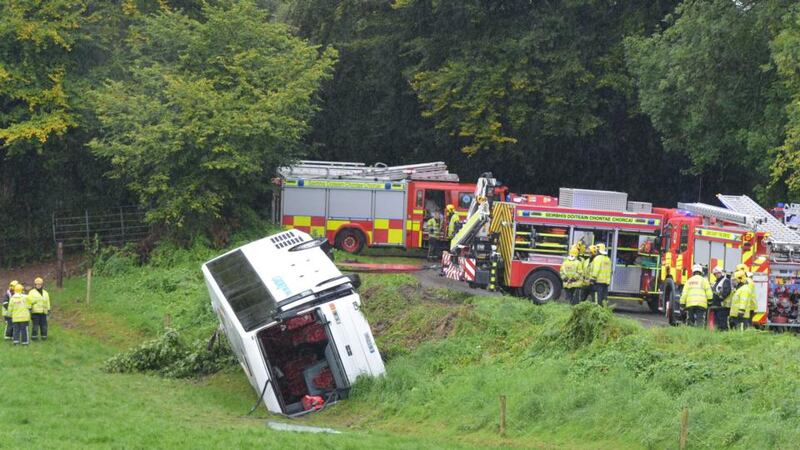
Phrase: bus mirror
(355, 280)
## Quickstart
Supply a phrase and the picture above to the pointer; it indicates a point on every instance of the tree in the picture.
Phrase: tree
(708, 86)
(786, 55)
(207, 110)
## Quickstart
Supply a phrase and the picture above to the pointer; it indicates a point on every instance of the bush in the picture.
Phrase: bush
(171, 357)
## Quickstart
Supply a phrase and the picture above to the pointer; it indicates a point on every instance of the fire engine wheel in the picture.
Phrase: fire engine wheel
(671, 308)
(542, 287)
(350, 241)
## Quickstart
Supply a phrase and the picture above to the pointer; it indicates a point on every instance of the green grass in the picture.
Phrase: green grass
(574, 377)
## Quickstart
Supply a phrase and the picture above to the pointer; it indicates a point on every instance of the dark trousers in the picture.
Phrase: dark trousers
(696, 316)
(39, 324)
(600, 293)
(721, 318)
(739, 323)
(586, 292)
(9, 327)
(21, 332)
(573, 295)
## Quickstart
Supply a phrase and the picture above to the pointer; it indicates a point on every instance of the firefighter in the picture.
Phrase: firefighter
(20, 315)
(433, 228)
(601, 274)
(39, 301)
(742, 303)
(571, 276)
(6, 315)
(452, 220)
(588, 288)
(695, 297)
(723, 293)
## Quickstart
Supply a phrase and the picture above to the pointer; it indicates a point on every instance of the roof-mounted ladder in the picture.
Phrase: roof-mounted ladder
(778, 232)
(433, 171)
(705, 210)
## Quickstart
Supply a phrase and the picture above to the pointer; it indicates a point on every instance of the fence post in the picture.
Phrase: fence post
(503, 415)
(684, 428)
(60, 258)
(88, 285)
(86, 214)
(122, 223)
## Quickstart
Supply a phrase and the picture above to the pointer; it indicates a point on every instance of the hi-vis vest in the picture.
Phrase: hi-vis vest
(40, 303)
(571, 273)
(696, 292)
(451, 224)
(18, 308)
(601, 269)
(743, 302)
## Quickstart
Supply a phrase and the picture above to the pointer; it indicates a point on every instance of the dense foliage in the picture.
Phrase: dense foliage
(185, 107)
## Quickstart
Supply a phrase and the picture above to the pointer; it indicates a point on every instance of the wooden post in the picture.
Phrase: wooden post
(60, 268)
(167, 321)
(88, 285)
(503, 415)
(684, 428)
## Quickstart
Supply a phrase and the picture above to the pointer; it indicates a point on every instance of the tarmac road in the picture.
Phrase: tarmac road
(630, 309)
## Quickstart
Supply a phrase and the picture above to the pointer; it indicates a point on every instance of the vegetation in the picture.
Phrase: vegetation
(185, 107)
(574, 377)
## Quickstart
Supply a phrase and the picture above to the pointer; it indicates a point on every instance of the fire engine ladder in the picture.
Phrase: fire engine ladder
(434, 171)
(703, 209)
(778, 232)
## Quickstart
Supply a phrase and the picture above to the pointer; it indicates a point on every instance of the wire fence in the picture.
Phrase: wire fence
(117, 227)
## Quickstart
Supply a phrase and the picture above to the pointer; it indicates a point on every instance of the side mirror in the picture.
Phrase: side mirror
(355, 280)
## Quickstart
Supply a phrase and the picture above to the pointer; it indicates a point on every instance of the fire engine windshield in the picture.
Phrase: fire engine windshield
(243, 289)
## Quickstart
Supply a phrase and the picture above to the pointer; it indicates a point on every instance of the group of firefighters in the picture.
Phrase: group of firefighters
(586, 272)
(437, 237)
(21, 309)
(732, 299)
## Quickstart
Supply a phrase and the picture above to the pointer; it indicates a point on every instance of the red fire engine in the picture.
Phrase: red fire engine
(521, 244)
(355, 205)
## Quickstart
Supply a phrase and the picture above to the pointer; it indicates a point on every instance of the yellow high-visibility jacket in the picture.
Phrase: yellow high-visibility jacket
(18, 307)
(571, 275)
(40, 302)
(586, 271)
(451, 224)
(744, 301)
(696, 292)
(601, 269)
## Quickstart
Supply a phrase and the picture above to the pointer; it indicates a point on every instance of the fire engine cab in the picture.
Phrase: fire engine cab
(354, 205)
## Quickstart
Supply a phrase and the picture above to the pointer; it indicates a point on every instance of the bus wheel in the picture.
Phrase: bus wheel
(350, 241)
(542, 287)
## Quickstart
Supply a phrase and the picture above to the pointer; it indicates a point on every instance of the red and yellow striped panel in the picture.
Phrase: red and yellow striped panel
(388, 231)
(313, 225)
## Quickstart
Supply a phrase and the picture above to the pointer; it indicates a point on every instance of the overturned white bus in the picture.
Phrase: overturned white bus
(293, 321)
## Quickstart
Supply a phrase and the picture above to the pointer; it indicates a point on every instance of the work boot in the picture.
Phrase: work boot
(8, 338)
(16, 342)
(44, 338)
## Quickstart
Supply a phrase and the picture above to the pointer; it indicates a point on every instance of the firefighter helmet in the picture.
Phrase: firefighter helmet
(18, 288)
(573, 252)
(593, 249)
(740, 275)
(601, 248)
(38, 280)
(742, 267)
(450, 208)
(697, 268)
(12, 284)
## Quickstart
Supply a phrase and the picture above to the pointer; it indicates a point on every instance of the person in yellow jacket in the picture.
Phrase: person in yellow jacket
(571, 276)
(39, 300)
(452, 219)
(743, 302)
(586, 264)
(20, 315)
(6, 315)
(695, 297)
(601, 275)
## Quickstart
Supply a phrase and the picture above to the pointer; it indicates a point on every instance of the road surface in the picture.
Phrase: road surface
(629, 309)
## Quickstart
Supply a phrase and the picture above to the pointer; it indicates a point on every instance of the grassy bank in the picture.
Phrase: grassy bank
(574, 377)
